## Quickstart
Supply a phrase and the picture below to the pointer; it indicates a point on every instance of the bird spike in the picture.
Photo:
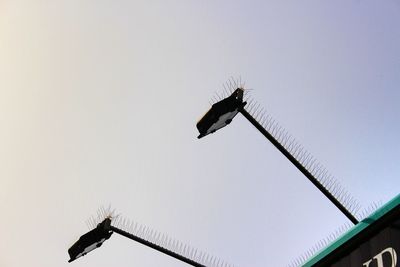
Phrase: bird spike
(320, 244)
(227, 89)
(374, 206)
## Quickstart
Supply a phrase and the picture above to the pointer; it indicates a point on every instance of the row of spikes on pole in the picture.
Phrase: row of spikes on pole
(322, 244)
(304, 157)
(155, 237)
(292, 145)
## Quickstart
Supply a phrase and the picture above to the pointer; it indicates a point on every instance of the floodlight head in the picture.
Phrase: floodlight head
(91, 240)
(221, 113)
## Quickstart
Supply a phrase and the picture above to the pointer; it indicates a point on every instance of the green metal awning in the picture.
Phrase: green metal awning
(351, 239)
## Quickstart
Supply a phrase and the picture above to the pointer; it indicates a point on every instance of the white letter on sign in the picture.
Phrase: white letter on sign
(379, 258)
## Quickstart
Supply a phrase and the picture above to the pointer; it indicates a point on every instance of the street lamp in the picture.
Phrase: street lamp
(222, 113)
(91, 240)
(160, 242)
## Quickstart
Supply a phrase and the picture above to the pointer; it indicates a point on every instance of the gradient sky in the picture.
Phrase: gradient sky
(99, 101)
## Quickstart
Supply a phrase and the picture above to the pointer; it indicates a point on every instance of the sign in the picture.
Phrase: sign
(381, 250)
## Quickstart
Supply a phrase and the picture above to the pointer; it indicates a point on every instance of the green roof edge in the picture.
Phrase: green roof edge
(353, 231)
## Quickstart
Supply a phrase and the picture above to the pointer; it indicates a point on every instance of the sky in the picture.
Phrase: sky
(99, 102)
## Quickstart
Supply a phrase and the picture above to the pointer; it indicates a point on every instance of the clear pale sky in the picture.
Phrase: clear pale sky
(99, 101)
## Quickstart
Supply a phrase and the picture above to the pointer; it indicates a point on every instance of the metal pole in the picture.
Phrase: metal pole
(156, 247)
(298, 165)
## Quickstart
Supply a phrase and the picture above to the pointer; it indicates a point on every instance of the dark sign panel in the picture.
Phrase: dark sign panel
(381, 250)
